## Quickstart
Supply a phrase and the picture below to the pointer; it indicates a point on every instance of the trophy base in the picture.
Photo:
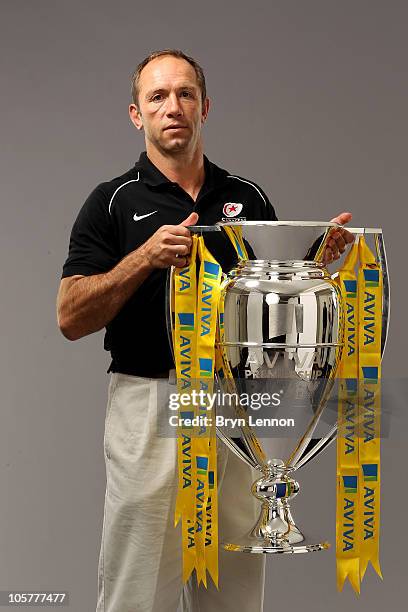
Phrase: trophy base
(275, 533)
(266, 546)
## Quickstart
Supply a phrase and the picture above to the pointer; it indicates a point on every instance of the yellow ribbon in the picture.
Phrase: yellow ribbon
(234, 233)
(358, 442)
(370, 317)
(185, 361)
(198, 326)
(347, 540)
(195, 324)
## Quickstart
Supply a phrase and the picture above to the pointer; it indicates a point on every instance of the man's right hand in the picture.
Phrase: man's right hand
(88, 303)
(170, 245)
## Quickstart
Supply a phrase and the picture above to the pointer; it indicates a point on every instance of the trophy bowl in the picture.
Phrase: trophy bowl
(283, 327)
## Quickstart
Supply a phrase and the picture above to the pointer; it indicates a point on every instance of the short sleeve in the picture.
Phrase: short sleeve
(268, 211)
(92, 246)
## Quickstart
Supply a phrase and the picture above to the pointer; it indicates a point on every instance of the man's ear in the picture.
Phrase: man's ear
(135, 116)
(205, 110)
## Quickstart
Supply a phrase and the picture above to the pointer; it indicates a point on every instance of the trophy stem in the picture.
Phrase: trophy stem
(275, 531)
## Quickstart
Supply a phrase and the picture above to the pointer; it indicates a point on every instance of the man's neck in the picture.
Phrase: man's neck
(187, 169)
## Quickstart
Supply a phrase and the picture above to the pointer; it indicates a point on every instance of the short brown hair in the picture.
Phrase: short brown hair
(175, 53)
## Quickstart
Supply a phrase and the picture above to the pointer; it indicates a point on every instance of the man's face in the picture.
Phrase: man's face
(170, 109)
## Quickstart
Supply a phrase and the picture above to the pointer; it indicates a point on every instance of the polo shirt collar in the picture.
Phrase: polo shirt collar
(152, 176)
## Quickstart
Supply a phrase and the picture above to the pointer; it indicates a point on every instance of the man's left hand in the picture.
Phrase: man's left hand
(339, 238)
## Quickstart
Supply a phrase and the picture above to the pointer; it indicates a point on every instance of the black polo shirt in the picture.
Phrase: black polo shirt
(120, 215)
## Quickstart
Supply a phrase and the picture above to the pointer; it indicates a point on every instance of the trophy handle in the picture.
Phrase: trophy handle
(243, 454)
(382, 260)
(169, 305)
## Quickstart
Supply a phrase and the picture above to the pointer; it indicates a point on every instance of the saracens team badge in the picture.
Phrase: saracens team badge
(231, 211)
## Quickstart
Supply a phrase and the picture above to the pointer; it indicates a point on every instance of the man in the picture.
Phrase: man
(128, 232)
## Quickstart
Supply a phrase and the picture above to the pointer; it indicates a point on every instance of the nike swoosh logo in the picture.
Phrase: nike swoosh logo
(137, 218)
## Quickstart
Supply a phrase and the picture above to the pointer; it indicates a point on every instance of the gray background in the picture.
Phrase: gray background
(310, 100)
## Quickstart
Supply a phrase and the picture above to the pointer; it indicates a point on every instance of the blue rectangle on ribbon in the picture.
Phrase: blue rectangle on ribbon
(186, 318)
(202, 462)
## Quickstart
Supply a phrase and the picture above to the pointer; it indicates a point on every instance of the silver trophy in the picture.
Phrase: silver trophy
(283, 323)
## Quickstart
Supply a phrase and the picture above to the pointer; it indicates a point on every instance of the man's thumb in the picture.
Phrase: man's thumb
(191, 220)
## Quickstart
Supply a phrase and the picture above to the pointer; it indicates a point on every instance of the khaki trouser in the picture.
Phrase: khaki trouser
(140, 562)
